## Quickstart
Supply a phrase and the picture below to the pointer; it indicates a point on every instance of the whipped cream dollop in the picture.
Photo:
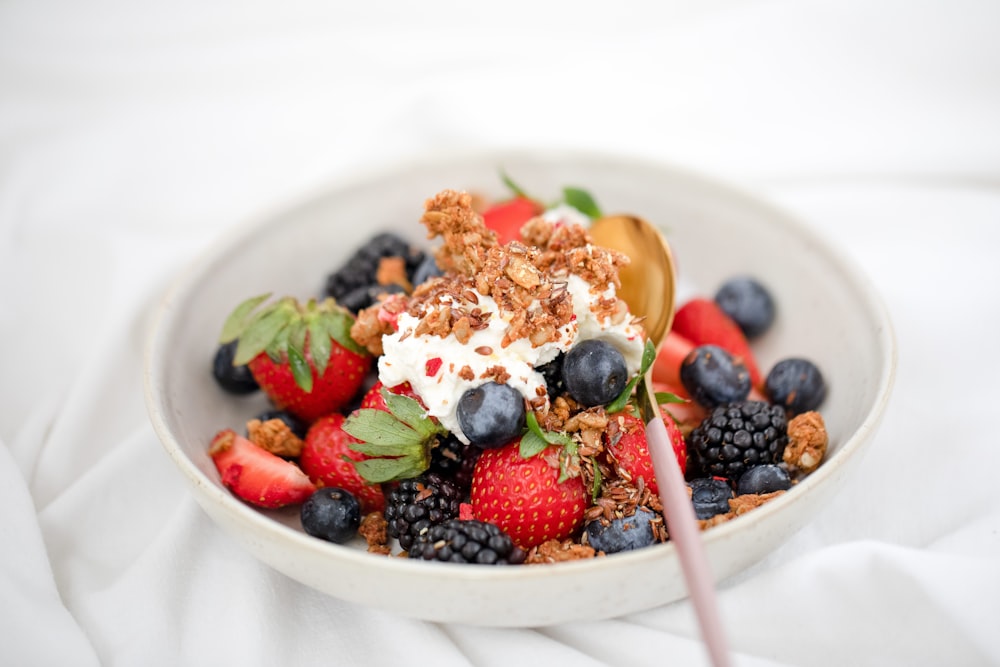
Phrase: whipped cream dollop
(441, 369)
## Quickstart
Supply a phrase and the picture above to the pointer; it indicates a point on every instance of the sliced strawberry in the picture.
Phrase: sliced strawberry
(507, 218)
(703, 323)
(326, 458)
(255, 474)
(667, 367)
(524, 497)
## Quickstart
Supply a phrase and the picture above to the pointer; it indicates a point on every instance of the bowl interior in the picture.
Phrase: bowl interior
(827, 312)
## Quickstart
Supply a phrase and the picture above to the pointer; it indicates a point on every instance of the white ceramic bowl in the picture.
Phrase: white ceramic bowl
(828, 312)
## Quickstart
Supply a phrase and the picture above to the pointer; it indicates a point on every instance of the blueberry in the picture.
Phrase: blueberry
(594, 372)
(297, 426)
(234, 379)
(713, 377)
(491, 414)
(710, 496)
(622, 534)
(796, 384)
(763, 479)
(331, 514)
(426, 270)
(748, 303)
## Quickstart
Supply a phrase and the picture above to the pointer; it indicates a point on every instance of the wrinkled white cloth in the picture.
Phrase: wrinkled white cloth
(133, 133)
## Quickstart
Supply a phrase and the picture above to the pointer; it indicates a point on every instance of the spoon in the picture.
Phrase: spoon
(648, 284)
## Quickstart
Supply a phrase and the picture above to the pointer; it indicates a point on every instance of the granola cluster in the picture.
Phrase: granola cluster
(526, 280)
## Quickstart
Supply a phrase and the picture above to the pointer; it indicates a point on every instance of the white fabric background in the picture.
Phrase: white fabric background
(133, 133)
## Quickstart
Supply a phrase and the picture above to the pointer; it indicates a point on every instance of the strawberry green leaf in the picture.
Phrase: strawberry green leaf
(378, 427)
(382, 470)
(319, 345)
(582, 201)
(338, 326)
(278, 346)
(259, 335)
(411, 413)
(238, 319)
(300, 367)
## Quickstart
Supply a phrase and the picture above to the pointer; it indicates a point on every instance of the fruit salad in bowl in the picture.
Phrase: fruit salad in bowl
(459, 388)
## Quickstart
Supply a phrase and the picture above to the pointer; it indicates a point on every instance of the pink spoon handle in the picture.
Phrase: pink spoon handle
(686, 536)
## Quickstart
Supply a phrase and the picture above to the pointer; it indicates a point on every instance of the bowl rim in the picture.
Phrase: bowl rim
(251, 518)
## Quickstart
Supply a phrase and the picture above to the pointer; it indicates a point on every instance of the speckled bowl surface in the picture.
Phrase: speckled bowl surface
(828, 312)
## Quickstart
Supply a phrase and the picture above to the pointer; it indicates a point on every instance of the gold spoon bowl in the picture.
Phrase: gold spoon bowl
(649, 279)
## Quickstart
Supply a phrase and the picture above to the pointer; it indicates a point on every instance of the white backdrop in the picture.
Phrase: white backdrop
(133, 133)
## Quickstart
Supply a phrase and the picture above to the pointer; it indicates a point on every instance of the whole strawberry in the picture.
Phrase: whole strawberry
(628, 450)
(528, 495)
(374, 400)
(301, 355)
(327, 459)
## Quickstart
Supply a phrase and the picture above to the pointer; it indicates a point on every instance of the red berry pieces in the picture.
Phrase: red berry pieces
(703, 323)
(255, 474)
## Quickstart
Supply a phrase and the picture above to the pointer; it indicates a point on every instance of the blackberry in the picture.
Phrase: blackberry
(360, 298)
(552, 372)
(417, 504)
(296, 425)
(360, 269)
(467, 541)
(452, 459)
(738, 436)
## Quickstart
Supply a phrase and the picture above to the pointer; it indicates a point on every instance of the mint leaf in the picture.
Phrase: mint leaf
(665, 397)
(582, 201)
(549, 437)
(512, 186)
(532, 444)
(595, 489)
(648, 357)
